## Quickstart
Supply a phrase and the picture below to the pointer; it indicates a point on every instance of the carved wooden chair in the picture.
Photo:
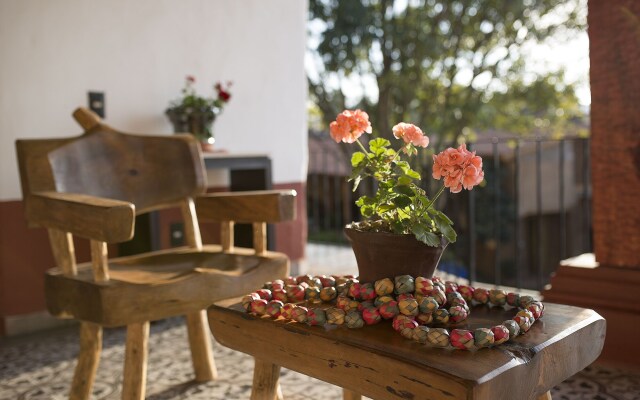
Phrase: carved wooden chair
(92, 186)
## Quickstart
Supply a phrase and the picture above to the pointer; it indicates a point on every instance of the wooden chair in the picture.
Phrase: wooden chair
(92, 186)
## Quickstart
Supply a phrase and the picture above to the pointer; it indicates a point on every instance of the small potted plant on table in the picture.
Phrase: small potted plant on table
(402, 230)
(195, 114)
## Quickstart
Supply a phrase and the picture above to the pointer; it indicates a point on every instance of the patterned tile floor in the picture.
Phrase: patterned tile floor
(40, 366)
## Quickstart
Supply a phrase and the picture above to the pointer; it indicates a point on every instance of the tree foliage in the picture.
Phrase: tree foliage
(447, 66)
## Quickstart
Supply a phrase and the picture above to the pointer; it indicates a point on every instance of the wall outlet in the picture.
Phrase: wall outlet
(176, 230)
(96, 103)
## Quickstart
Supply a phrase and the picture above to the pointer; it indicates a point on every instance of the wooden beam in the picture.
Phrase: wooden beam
(63, 251)
(88, 359)
(99, 261)
(191, 227)
(135, 362)
(226, 235)
(200, 344)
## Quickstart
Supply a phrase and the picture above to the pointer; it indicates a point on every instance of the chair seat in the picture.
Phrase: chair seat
(160, 284)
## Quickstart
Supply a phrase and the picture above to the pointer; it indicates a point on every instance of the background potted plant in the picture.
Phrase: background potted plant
(402, 230)
(196, 114)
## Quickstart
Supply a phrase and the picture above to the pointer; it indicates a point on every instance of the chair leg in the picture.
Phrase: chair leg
(265, 380)
(88, 359)
(349, 395)
(200, 343)
(135, 362)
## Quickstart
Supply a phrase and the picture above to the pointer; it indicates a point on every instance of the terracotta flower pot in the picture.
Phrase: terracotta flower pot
(385, 255)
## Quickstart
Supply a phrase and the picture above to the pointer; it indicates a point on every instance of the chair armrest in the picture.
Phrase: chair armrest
(247, 207)
(90, 217)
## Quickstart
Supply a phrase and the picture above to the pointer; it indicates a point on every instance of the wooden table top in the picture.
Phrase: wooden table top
(564, 341)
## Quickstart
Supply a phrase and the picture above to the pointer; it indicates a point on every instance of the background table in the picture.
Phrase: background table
(377, 362)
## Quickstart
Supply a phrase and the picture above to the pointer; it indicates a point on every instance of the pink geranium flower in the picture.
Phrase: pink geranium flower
(459, 167)
(349, 126)
(410, 134)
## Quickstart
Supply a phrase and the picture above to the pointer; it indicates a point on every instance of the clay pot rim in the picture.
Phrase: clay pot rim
(406, 236)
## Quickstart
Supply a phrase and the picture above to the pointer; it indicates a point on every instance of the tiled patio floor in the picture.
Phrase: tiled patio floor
(40, 366)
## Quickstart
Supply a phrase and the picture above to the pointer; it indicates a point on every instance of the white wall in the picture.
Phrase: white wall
(138, 53)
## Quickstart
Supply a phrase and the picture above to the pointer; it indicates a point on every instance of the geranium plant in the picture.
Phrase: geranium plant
(191, 101)
(196, 113)
(399, 205)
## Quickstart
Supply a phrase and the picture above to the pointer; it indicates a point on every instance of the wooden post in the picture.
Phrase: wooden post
(99, 253)
(191, 227)
(63, 251)
(200, 343)
(260, 237)
(226, 235)
(88, 359)
(135, 362)
(265, 380)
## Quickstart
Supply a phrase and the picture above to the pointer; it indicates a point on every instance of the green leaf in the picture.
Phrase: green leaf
(426, 237)
(367, 211)
(412, 174)
(402, 201)
(378, 144)
(405, 190)
(404, 180)
(357, 158)
(365, 200)
(386, 207)
(443, 223)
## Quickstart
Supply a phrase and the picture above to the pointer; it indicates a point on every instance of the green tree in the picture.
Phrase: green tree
(446, 66)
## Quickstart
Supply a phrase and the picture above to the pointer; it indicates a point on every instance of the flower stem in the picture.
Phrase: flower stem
(436, 197)
(361, 146)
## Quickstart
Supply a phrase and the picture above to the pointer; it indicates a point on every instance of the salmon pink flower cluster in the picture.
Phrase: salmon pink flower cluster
(410, 134)
(349, 126)
(400, 204)
(459, 167)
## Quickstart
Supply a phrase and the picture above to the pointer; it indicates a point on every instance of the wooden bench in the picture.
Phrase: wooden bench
(377, 362)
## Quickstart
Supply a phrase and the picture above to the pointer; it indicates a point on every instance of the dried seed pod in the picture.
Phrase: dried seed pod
(420, 334)
(328, 293)
(274, 308)
(389, 309)
(438, 337)
(483, 337)
(353, 319)
(404, 284)
(500, 334)
(384, 287)
(498, 297)
(462, 339)
(316, 316)
(335, 316)
(423, 286)
(246, 300)
(408, 307)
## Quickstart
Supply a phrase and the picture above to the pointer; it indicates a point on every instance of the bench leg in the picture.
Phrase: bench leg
(200, 343)
(265, 380)
(546, 396)
(135, 362)
(349, 395)
(88, 359)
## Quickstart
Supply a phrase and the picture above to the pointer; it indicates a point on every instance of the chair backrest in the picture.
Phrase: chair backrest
(151, 172)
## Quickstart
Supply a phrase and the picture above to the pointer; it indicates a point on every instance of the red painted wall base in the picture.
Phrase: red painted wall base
(613, 293)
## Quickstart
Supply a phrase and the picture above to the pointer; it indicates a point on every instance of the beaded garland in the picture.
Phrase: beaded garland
(412, 304)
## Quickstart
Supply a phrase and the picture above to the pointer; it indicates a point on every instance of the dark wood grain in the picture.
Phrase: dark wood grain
(246, 207)
(90, 217)
(377, 362)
